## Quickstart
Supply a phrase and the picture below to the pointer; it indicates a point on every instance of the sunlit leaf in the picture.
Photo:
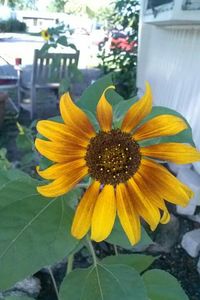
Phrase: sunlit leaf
(92, 94)
(34, 231)
(121, 108)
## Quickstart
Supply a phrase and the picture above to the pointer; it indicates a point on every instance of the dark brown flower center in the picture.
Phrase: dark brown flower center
(112, 157)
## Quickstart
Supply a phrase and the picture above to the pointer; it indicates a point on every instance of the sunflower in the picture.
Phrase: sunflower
(126, 179)
(45, 34)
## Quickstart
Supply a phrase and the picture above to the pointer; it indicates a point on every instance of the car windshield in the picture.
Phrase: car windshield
(117, 35)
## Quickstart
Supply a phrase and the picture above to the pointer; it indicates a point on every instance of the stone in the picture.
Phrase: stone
(191, 242)
(198, 266)
(27, 287)
(166, 236)
(189, 209)
(195, 218)
(177, 168)
(192, 179)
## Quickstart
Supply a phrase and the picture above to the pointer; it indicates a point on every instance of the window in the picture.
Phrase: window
(191, 5)
(154, 7)
(156, 3)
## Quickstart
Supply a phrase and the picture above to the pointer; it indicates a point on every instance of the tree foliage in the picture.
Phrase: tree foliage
(20, 4)
(124, 18)
(58, 5)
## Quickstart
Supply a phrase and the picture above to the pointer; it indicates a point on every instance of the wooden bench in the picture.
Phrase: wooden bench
(49, 69)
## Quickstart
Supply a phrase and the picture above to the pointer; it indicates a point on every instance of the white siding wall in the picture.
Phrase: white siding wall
(169, 58)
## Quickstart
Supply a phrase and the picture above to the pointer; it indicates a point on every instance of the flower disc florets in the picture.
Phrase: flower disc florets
(112, 157)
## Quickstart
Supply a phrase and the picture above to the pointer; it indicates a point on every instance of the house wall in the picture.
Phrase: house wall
(169, 58)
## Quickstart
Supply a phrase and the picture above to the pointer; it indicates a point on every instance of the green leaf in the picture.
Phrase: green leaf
(45, 48)
(72, 46)
(139, 262)
(162, 285)
(114, 282)
(34, 231)
(14, 191)
(118, 237)
(24, 143)
(92, 94)
(62, 40)
(64, 86)
(121, 108)
(92, 119)
(9, 175)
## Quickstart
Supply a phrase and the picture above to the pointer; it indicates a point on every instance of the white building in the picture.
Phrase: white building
(169, 57)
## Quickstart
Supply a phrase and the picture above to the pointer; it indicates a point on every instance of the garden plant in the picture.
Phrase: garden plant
(101, 179)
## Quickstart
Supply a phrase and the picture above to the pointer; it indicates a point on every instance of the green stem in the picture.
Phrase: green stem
(92, 251)
(70, 263)
(54, 282)
(115, 249)
(82, 185)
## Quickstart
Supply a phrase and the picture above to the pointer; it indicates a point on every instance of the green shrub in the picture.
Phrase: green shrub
(123, 63)
(12, 25)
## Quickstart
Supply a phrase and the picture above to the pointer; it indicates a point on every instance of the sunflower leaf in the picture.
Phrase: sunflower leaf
(92, 94)
(119, 238)
(121, 108)
(34, 231)
(139, 262)
(114, 282)
(162, 285)
(8, 175)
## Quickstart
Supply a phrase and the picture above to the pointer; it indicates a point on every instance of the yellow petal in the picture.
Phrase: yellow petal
(163, 125)
(76, 120)
(145, 208)
(173, 152)
(58, 170)
(104, 214)
(127, 213)
(83, 216)
(138, 111)
(104, 113)
(164, 184)
(63, 184)
(58, 132)
(152, 196)
(58, 152)
(165, 217)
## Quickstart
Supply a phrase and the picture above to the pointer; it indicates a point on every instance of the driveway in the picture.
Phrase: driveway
(13, 45)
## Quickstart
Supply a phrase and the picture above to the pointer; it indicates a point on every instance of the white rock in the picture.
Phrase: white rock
(189, 209)
(198, 266)
(29, 286)
(191, 242)
(195, 218)
(177, 168)
(192, 179)
(197, 167)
